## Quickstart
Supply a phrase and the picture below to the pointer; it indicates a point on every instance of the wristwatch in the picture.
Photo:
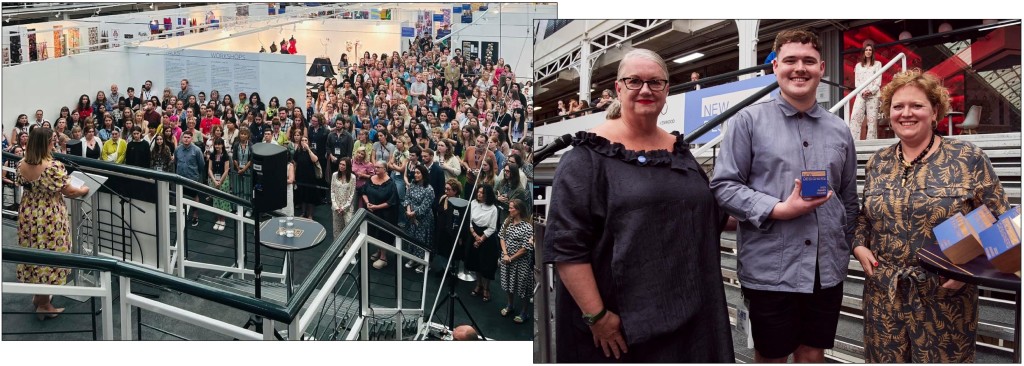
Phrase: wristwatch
(592, 319)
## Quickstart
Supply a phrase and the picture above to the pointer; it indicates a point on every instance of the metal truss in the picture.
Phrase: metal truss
(598, 44)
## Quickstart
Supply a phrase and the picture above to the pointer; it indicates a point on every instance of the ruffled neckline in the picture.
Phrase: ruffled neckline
(679, 158)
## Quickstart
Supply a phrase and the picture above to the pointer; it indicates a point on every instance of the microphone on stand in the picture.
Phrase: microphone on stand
(550, 149)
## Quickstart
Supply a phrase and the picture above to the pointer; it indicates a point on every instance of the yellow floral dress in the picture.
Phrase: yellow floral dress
(908, 315)
(43, 223)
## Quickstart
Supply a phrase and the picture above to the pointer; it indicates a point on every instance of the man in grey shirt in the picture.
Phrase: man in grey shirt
(418, 87)
(793, 252)
(190, 164)
(186, 90)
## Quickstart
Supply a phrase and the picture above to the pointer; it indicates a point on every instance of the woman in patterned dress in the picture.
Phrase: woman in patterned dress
(922, 180)
(42, 216)
(343, 190)
(418, 202)
(516, 259)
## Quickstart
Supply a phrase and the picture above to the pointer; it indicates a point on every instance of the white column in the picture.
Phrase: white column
(584, 69)
(748, 43)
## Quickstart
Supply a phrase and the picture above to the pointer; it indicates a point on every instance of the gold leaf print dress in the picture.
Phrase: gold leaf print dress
(908, 316)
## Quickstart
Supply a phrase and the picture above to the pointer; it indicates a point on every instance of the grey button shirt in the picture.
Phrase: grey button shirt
(766, 147)
(190, 161)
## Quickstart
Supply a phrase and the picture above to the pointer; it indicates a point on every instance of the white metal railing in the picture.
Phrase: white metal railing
(103, 291)
(902, 58)
(129, 300)
(173, 260)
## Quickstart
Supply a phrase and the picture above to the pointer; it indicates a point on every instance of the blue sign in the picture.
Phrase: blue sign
(467, 17)
(408, 32)
(704, 104)
(441, 33)
(457, 10)
(438, 17)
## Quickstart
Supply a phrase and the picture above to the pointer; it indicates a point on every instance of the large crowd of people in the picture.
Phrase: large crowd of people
(395, 133)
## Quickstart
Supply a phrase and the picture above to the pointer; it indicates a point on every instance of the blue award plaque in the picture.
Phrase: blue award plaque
(813, 183)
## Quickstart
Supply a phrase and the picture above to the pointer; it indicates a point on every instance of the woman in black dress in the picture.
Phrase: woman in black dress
(448, 220)
(633, 231)
(482, 255)
(306, 193)
(380, 196)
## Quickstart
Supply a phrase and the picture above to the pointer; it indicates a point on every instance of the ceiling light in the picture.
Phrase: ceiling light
(151, 6)
(688, 58)
(57, 16)
(904, 35)
(536, 108)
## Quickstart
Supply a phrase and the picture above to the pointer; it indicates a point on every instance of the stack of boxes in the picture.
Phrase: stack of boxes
(965, 237)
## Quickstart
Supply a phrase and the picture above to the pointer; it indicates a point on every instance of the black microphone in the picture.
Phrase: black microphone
(550, 149)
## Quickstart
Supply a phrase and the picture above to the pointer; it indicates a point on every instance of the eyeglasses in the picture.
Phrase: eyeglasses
(637, 84)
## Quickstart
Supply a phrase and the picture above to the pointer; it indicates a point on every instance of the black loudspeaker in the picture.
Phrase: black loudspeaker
(75, 147)
(270, 164)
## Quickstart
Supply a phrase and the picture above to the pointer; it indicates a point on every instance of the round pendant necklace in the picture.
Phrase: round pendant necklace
(906, 166)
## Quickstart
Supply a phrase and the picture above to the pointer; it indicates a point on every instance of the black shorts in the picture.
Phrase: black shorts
(781, 321)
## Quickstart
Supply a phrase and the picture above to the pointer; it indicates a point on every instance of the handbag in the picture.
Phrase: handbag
(319, 171)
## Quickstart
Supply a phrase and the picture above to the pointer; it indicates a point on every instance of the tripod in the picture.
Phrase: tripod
(451, 300)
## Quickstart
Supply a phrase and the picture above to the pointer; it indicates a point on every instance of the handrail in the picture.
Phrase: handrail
(842, 102)
(143, 173)
(261, 307)
(320, 270)
(134, 271)
(671, 90)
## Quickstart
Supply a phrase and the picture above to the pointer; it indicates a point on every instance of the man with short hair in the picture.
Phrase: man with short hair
(186, 90)
(418, 87)
(339, 141)
(114, 95)
(131, 100)
(38, 120)
(151, 116)
(209, 120)
(436, 178)
(202, 98)
(190, 164)
(147, 90)
(793, 251)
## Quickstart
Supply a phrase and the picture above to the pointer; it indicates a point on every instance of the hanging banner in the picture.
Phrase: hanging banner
(408, 32)
(703, 104)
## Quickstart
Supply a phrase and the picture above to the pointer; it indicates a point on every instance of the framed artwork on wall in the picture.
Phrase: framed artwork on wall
(470, 49)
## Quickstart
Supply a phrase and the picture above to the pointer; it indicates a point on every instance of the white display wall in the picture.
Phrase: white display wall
(59, 82)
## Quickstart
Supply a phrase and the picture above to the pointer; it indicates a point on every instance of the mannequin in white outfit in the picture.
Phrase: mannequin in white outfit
(866, 104)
